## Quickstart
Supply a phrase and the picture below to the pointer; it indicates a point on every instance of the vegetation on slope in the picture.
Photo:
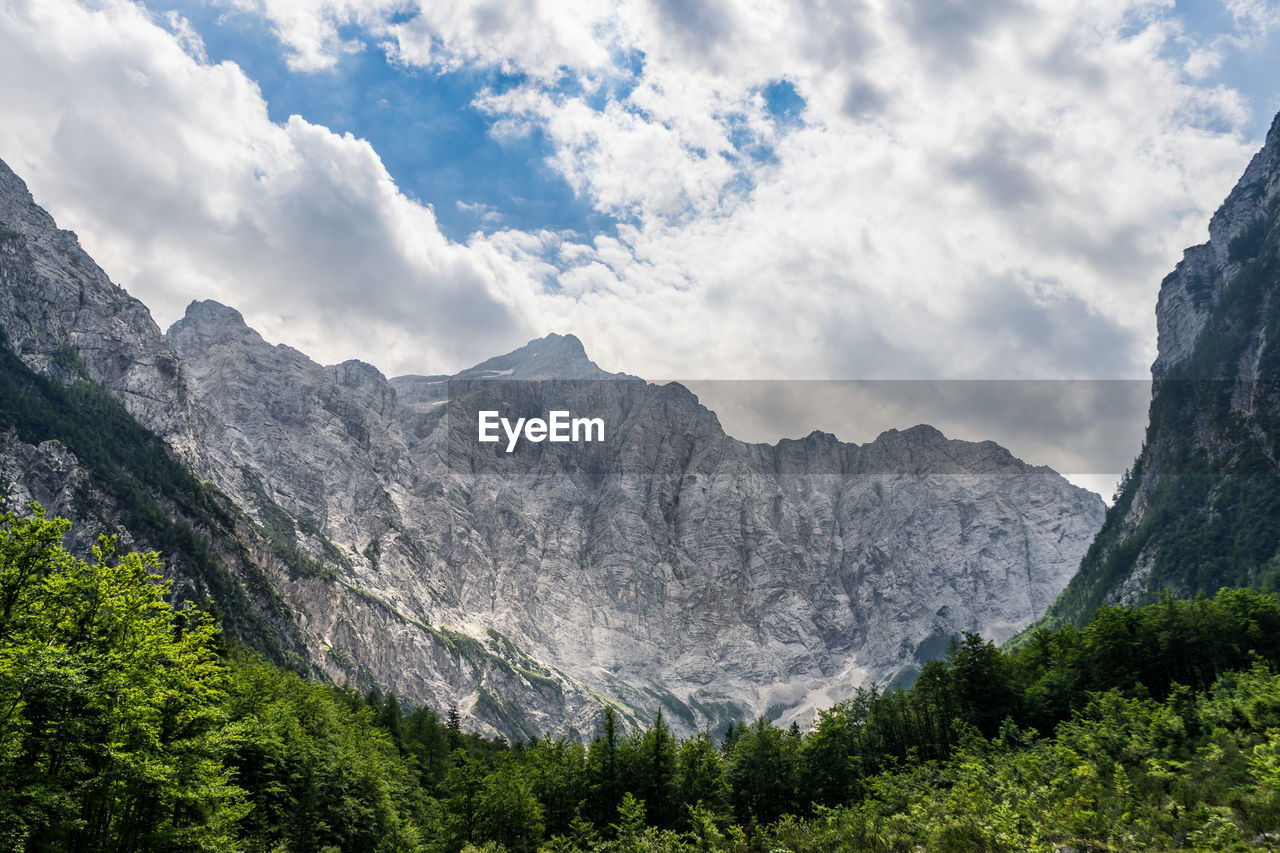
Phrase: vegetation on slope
(127, 724)
(151, 494)
(1201, 507)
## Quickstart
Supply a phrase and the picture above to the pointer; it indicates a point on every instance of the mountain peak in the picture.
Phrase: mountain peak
(924, 433)
(208, 321)
(208, 310)
(18, 209)
(1237, 232)
(566, 340)
(555, 356)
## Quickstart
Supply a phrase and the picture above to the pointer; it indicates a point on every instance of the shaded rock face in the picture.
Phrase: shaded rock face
(1191, 294)
(133, 416)
(1201, 506)
(48, 474)
(669, 565)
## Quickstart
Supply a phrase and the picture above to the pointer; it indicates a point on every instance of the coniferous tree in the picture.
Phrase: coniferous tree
(762, 773)
(454, 725)
(605, 785)
(389, 717)
(700, 779)
(656, 760)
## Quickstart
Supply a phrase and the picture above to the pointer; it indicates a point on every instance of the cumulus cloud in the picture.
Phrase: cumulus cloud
(182, 188)
(955, 166)
(311, 30)
(971, 188)
(1254, 18)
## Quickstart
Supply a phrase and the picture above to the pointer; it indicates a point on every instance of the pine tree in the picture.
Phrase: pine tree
(454, 726)
(656, 785)
(389, 717)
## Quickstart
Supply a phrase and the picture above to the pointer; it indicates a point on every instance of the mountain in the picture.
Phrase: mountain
(669, 565)
(1200, 508)
(99, 422)
(352, 524)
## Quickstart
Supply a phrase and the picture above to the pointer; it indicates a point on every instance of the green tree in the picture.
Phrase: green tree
(507, 810)
(700, 779)
(558, 774)
(762, 772)
(981, 682)
(427, 740)
(114, 705)
(830, 771)
(605, 785)
(389, 717)
(656, 769)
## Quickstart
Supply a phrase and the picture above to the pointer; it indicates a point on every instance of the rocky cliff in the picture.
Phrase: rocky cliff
(1200, 508)
(668, 565)
(66, 319)
(100, 423)
(351, 520)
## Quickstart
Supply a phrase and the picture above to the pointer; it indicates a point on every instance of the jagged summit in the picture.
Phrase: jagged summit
(1191, 294)
(210, 310)
(206, 318)
(65, 317)
(918, 432)
(18, 210)
(553, 357)
(209, 324)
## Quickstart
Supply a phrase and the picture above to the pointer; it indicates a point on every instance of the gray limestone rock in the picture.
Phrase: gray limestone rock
(1197, 511)
(669, 565)
(65, 318)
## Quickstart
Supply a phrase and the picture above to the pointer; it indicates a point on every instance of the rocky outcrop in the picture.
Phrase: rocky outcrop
(99, 423)
(669, 565)
(65, 318)
(1190, 294)
(1200, 508)
(355, 522)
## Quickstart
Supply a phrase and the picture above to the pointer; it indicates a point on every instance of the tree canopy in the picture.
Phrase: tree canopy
(128, 724)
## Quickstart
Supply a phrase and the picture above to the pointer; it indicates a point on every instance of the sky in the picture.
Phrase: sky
(698, 189)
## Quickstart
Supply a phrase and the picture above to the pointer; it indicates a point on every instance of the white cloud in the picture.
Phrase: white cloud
(539, 37)
(182, 188)
(1009, 208)
(311, 30)
(1254, 18)
(485, 213)
(993, 191)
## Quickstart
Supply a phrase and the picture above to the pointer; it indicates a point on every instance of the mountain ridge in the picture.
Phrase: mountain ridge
(668, 450)
(670, 566)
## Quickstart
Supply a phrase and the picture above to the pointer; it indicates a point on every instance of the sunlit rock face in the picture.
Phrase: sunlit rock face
(667, 565)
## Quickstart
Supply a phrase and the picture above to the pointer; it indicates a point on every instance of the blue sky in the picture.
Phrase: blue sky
(421, 122)
(1252, 69)
(426, 129)
(439, 147)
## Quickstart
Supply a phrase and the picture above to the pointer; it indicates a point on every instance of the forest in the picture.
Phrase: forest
(131, 724)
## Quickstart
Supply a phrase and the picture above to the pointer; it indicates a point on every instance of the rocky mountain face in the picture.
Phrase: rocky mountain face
(100, 422)
(667, 565)
(1200, 509)
(65, 319)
